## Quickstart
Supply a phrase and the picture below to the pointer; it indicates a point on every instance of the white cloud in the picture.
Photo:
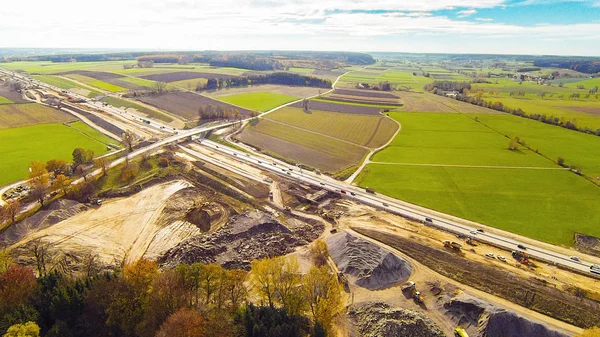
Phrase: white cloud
(466, 12)
(484, 19)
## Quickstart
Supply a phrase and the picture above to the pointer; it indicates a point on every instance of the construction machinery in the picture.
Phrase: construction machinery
(460, 332)
(411, 288)
(452, 244)
(520, 257)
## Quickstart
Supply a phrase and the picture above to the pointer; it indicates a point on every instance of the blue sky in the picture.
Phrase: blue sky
(443, 26)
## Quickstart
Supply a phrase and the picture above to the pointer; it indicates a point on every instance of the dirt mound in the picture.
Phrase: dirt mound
(56, 212)
(587, 244)
(492, 321)
(200, 218)
(373, 267)
(245, 237)
(380, 319)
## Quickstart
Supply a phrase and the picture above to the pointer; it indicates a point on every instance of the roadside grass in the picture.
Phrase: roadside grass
(259, 101)
(361, 129)
(122, 103)
(65, 84)
(218, 139)
(147, 169)
(23, 145)
(453, 139)
(4, 100)
(24, 114)
(548, 205)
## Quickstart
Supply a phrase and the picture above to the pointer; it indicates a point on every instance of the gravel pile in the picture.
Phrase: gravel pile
(379, 319)
(246, 237)
(373, 267)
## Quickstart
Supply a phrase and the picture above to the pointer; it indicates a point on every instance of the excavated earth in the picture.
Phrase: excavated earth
(245, 237)
(374, 319)
(372, 267)
(483, 319)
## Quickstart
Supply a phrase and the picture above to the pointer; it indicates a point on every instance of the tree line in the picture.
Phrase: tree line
(139, 300)
(280, 78)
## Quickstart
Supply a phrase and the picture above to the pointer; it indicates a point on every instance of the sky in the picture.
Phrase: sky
(570, 27)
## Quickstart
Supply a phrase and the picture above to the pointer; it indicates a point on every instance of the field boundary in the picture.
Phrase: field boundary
(474, 166)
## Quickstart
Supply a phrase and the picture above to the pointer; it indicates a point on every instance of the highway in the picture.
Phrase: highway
(400, 208)
(351, 192)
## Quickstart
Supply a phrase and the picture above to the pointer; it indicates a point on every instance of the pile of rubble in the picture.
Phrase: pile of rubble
(372, 267)
(375, 319)
(246, 237)
(492, 321)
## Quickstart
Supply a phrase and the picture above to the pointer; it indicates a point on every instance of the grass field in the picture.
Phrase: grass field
(44, 142)
(400, 78)
(17, 115)
(546, 205)
(138, 81)
(522, 200)
(259, 101)
(453, 139)
(121, 103)
(302, 70)
(4, 100)
(63, 83)
(106, 86)
(365, 130)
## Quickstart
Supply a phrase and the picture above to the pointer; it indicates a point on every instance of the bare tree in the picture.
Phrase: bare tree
(159, 87)
(10, 211)
(39, 251)
(102, 162)
(38, 180)
(128, 140)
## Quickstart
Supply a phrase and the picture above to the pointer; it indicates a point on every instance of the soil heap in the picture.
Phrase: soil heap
(493, 321)
(245, 237)
(374, 319)
(373, 267)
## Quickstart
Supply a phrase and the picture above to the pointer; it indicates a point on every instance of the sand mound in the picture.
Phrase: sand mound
(493, 321)
(373, 267)
(379, 319)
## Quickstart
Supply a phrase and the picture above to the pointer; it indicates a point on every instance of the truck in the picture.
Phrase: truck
(460, 332)
(452, 244)
(418, 297)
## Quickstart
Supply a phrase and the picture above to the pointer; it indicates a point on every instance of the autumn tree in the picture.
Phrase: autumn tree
(324, 295)
(319, 253)
(128, 139)
(102, 163)
(592, 332)
(129, 171)
(263, 279)
(57, 166)
(184, 323)
(5, 260)
(61, 182)
(9, 211)
(29, 329)
(82, 156)
(17, 284)
(159, 87)
(38, 180)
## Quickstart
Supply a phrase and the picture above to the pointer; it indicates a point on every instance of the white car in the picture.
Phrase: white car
(490, 255)
(474, 232)
(501, 258)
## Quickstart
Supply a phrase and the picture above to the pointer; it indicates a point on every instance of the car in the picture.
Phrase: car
(274, 164)
(480, 230)
(522, 247)
(474, 232)
(283, 169)
(490, 255)
(352, 193)
(342, 191)
(322, 184)
(501, 258)
(574, 258)
(217, 146)
(235, 154)
(289, 174)
(385, 204)
(428, 220)
(260, 162)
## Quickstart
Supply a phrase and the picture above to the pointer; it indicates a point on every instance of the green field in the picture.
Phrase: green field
(547, 205)
(65, 84)
(122, 103)
(423, 162)
(258, 101)
(4, 100)
(24, 114)
(25, 144)
(302, 70)
(138, 81)
(106, 86)
(365, 130)
(404, 79)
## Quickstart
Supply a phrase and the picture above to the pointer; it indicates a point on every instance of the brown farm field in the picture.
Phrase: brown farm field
(365, 130)
(186, 104)
(276, 89)
(301, 146)
(426, 102)
(337, 107)
(365, 93)
(7, 92)
(17, 115)
(348, 96)
(184, 75)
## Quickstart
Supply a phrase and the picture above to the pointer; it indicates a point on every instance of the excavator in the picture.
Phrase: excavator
(520, 256)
